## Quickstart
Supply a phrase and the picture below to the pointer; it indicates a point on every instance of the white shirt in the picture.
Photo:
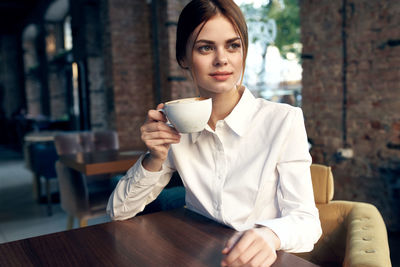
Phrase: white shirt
(254, 169)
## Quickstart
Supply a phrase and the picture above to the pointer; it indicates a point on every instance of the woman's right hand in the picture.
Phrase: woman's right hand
(158, 137)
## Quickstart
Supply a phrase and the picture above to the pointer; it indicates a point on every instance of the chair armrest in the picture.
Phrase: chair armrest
(349, 230)
(330, 248)
(367, 241)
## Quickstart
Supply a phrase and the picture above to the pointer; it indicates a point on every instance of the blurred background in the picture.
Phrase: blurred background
(73, 65)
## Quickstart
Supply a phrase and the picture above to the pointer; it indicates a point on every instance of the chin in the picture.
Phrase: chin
(219, 88)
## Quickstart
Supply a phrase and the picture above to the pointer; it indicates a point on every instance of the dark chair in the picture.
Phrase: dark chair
(82, 196)
(78, 199)
(44, 157)
(171, 197)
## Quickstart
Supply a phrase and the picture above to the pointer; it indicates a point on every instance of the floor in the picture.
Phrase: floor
(22, 217)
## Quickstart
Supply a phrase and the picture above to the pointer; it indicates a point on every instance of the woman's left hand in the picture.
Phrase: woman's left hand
(254, 247)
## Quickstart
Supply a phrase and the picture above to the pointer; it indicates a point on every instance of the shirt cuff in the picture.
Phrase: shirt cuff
(277, 226)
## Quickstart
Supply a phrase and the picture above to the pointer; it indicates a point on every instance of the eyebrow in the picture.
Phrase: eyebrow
(212, 42)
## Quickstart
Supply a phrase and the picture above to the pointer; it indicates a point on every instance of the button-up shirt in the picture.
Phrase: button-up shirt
(253, 169)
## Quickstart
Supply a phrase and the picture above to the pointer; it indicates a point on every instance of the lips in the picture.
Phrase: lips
(221, 75)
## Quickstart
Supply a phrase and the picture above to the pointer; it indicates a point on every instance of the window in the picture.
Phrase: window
(273, 69)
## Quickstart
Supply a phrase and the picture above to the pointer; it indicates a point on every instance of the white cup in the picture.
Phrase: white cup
(189, 115)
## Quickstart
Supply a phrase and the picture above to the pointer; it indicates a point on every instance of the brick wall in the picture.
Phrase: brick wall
(130, 67)
(45, 78)
(57, 93)
(351, 96)
(179, 80)
(32, 83)
(33, 97)
(129, 58)
(175, 82)
(98, 92)
(87, 30)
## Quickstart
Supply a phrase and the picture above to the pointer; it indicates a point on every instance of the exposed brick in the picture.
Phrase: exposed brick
(373, 97)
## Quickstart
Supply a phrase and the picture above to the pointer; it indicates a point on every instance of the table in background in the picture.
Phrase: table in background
(170, 238)
(101, 162)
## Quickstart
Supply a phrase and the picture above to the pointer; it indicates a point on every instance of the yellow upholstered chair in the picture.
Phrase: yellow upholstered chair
(354, 233)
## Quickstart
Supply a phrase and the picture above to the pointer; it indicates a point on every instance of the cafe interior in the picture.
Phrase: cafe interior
(78, 77)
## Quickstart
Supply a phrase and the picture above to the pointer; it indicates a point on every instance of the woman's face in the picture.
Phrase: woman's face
(217, 58)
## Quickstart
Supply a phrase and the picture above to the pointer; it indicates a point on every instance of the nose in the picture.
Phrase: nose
(220, 58)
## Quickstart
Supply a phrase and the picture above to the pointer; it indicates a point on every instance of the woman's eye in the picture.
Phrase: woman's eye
(204, 48)
(234, 46)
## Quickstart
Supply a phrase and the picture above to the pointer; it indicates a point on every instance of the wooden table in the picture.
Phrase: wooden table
(171, 238)
(42, 136)
(101, 162)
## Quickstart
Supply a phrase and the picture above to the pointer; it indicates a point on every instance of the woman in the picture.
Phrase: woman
(250, 167)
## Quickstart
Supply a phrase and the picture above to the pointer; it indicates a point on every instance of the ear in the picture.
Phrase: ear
(183, 63)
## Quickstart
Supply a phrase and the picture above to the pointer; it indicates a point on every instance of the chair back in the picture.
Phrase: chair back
(84, 196)
(71, 143)
(322, 180)
(43, 158)
(74, 193)
(105, 140)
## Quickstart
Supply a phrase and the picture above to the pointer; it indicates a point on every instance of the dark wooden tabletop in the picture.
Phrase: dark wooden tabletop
(101, 162)
(172, 238)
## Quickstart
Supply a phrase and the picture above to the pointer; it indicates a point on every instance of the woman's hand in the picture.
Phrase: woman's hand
(158, 137)
(254, 247)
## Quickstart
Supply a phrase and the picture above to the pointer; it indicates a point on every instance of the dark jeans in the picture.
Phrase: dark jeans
(171, 197)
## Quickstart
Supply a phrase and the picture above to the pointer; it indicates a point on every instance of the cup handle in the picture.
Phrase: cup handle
(168, 122)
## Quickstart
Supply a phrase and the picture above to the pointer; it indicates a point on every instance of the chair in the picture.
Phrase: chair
(84, 197)
(43, 159)
(72, 143)
(354, 233)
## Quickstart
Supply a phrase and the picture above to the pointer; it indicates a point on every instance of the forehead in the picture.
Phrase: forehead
(217, 28)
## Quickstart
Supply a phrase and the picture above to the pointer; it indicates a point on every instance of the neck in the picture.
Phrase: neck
(223, 104)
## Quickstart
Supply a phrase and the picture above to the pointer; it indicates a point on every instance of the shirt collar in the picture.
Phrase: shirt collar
(194, 136)
(239, 119)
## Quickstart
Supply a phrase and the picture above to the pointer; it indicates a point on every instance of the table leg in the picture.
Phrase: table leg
(83, 223)
(48, 193)
(37, 192)
(70, 222)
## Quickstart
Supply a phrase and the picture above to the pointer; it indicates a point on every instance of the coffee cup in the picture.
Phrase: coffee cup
(188, 115)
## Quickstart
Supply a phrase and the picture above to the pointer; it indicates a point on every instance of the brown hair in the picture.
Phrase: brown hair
(200, 11)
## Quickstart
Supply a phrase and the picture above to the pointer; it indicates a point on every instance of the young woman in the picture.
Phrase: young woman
(250, 167)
